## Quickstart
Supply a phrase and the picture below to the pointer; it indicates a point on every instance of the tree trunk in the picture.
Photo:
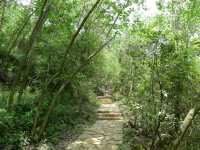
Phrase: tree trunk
(79, 69)
(76, 34)
(18, 32)
(37, 28)
(31, 41)
(185, 126)
(60, 71)
(3, 7)
(65, 84)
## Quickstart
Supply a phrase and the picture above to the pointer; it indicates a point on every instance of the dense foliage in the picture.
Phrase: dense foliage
(56, 56)
(160, 78)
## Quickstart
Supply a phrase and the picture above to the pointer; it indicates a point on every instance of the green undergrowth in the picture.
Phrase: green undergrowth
(140, 126)
(70, 116)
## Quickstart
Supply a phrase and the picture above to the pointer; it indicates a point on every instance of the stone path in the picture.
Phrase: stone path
(106, 133)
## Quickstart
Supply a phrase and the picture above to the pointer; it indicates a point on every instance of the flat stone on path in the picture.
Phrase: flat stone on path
(105, 134)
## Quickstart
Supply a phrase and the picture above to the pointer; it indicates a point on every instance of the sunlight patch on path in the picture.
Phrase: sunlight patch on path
(105, 134)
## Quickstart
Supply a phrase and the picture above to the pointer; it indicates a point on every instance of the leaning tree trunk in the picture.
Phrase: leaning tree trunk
(185, 126)
(36, 118)
(77, 33)
(2, 15)
(37, 28)
(79, 69)
(66, 83)
(39, 24)
(17, 32)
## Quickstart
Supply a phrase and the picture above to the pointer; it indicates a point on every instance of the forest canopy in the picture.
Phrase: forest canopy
(57, 56)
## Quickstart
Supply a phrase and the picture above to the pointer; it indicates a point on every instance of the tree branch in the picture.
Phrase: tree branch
(76, 34)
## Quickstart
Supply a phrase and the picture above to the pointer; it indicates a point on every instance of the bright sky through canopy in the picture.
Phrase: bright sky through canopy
(149, 4)
(152, 9)
(25, 2)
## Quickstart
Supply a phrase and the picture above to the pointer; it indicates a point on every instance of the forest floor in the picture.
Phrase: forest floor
(105, 134)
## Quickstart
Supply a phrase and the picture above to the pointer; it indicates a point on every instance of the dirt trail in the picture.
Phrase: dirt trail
(106, 133)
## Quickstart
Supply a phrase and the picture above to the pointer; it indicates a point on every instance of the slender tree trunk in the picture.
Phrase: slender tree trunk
(3, 7)
(185, 126)
(76, 34)
(38, 106)
(11, 98)
(18, 33)
(62, 65)
(65, 84)
(32, 39)
(160, 117)
(36, 116)
(25, 65)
